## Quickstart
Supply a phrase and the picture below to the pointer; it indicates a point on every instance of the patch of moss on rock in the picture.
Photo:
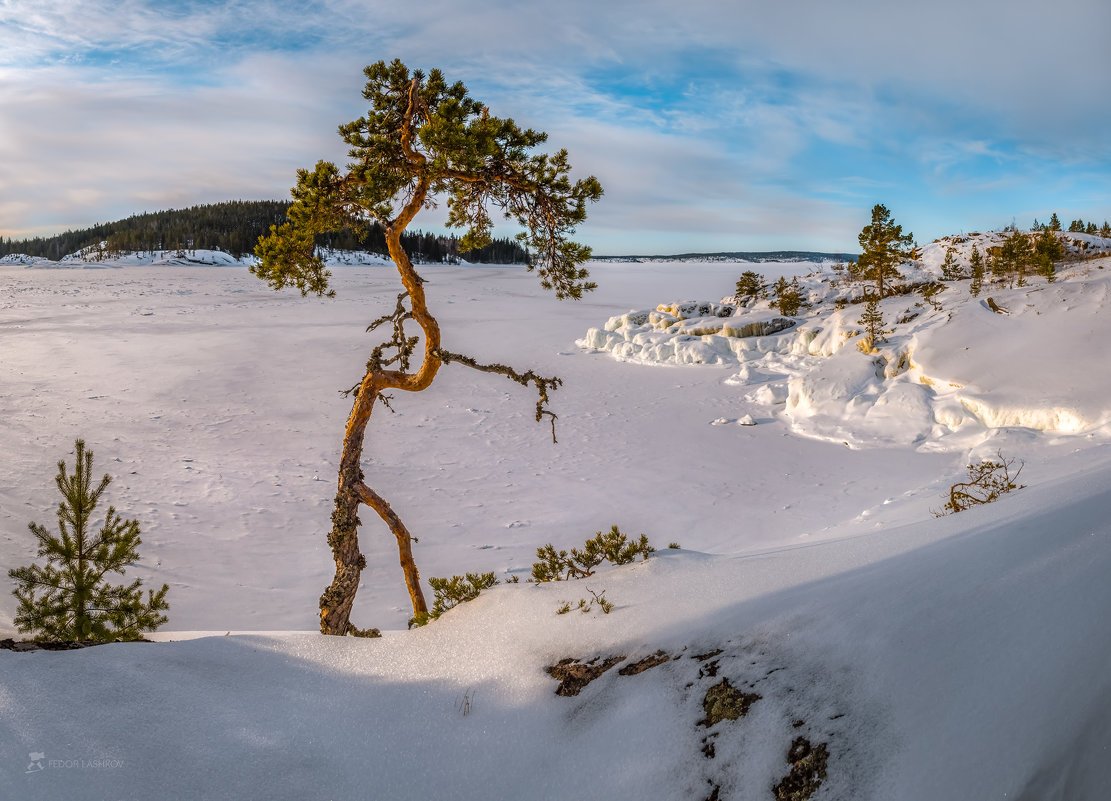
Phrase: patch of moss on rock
(723, 701)
(808, 771)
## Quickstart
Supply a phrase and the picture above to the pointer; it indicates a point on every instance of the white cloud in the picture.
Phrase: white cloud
(206, 101)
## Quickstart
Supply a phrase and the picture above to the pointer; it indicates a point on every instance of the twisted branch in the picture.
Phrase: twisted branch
(524, 379)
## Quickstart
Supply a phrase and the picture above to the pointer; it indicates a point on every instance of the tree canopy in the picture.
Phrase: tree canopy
(423, 138)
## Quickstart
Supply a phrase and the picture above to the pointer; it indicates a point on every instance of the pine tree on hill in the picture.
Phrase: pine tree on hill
(1047, 251)
(1105, 230)
(1090, 228)
(788, 296)
(69, 599)
(995, 265)
(1054, 222)
(749, 286)
(1016, 257)
(950, 270)
(884, 247)
(976, 263)
(1076, 227)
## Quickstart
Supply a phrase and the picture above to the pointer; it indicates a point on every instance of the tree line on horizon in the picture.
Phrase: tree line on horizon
(235, 227)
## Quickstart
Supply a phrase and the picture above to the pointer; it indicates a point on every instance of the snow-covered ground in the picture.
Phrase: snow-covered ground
(935, 658)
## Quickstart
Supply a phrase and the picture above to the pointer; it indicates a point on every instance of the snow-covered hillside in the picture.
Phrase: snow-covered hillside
(897, 654)
(951, 374)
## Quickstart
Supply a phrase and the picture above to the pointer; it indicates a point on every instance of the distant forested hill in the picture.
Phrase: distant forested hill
(234, 227)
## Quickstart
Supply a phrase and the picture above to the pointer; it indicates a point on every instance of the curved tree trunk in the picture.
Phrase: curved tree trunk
(339, 597)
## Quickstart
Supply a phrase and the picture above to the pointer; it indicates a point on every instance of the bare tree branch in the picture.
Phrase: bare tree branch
(524, 379)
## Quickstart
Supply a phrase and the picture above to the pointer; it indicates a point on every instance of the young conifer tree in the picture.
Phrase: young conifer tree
(1054, 222)
(1047, 251)
(1016, 256)
(750, 285)
(69, 598)
(950, 270)
(873, 322)
(788, 296)
(976, 262)
(422, 138)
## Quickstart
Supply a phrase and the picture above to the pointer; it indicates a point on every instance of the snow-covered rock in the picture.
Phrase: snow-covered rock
(943, 375)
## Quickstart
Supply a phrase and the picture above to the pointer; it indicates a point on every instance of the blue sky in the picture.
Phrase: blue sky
(737, 125)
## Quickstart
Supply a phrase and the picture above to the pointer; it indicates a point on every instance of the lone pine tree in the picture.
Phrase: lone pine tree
(420, 139)
(883, 247)
(976, 263)
(69, 599)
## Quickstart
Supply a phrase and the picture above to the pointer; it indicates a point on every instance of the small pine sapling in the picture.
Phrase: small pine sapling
(585, 606)
(976, 262)
(931, 291)
(873, 322)
(448, 593)
(68, 599)
(988, 480)
(950, 270)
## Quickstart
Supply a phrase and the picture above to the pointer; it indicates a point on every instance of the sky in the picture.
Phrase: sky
(713, 126)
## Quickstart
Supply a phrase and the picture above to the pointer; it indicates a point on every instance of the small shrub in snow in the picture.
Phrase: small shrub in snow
(988, 480)
(788, 296)
(673, 546)
(931, 291)
(69, 599)
(611, 546)
(585, 606)
(872, 321)
(448, 593)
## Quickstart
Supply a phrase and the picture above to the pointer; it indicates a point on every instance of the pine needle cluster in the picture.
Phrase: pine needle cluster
(448, 593)
(610, 546)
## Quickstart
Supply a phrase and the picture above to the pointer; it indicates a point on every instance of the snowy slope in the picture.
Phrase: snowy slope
(955, 658)
(934, 658)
